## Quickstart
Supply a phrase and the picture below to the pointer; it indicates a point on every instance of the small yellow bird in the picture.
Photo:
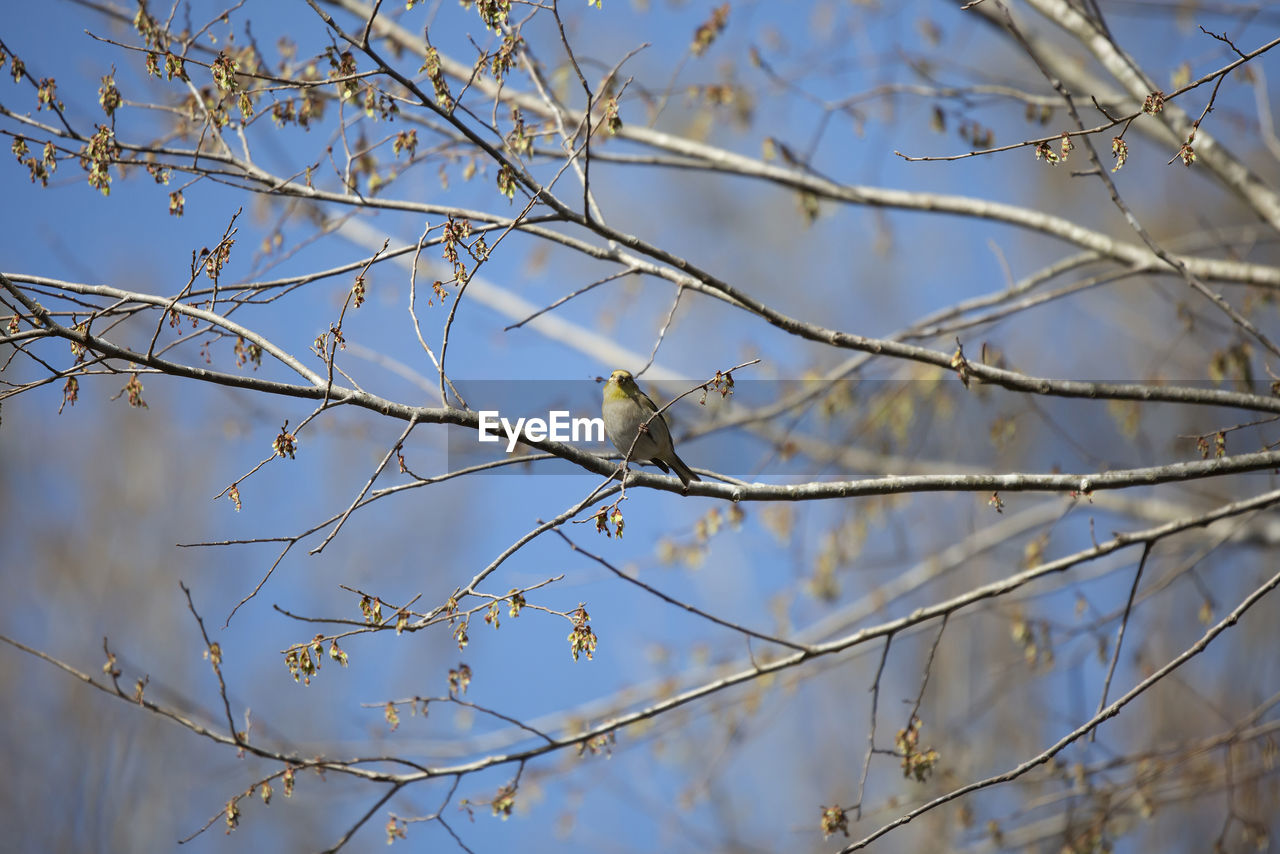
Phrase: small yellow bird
(625, 409)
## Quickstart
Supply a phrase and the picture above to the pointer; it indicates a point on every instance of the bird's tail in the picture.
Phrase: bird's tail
(683, 472)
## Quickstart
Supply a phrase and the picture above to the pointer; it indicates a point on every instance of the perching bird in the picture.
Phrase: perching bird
(625, 408)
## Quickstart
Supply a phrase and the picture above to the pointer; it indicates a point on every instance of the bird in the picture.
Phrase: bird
(625, 409)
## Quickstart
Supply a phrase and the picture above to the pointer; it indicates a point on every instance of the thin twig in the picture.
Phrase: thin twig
(671, 600)
(1124, 622)
(386, 458)
(871, 730)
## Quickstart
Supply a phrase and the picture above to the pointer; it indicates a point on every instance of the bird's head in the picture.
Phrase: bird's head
(620, 385)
